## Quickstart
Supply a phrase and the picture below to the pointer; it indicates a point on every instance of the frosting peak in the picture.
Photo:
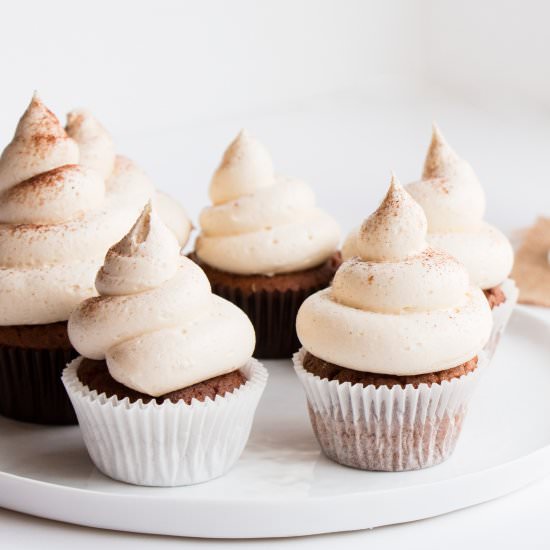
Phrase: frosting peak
(449, 191)
(39, 144)
(396, 230)
(97, 150)
(145, 258)
(441, 158)
(245, 167)
(38, 122)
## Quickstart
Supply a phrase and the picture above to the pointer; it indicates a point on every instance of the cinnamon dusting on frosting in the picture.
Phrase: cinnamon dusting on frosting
(51, 178)
(397, 306)
(39, 122)
(454, 202)
(440, 157)
(395, 230)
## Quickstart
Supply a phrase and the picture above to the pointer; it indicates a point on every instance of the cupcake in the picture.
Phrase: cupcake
(454, 203)
(58, 218)
(393, 349)
(165, 390)
(264, 244)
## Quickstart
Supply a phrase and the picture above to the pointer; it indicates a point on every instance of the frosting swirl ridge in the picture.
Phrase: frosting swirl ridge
(58, 195)
(261, 223)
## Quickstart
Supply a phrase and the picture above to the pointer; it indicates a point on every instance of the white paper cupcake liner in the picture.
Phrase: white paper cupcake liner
(501, 315)
(378, 428)
(166, 444)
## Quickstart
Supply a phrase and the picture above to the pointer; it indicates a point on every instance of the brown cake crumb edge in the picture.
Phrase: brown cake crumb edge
(95, 375)
(330, 371)
(495, 296)
(38, 337)
(320, 275)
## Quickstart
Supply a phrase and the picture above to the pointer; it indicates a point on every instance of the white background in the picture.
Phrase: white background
(340, 92)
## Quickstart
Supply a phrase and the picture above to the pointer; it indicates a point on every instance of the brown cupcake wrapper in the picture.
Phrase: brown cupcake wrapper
(378, 428)
(30, 385)
(273, 315)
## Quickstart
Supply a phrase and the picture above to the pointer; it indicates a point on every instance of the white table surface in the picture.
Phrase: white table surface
(345, 146)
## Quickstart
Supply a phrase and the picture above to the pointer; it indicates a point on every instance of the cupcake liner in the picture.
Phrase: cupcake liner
(166, 444)
(388, 429)
(501, 315)
(273, 315)
(30, 385)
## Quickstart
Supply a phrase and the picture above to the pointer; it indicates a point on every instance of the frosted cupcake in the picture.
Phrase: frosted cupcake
(392, 350)
(166, 389)
(58, 217)
(264, 244)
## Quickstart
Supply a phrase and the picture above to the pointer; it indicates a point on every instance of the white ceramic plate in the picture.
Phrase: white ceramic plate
(283, 485)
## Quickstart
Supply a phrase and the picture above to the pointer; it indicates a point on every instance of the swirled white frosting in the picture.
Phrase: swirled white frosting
(454, 202)
(261, 223)
(97, 151)
(397, 306)
(38, 145)
(156, 322)
(59, 216)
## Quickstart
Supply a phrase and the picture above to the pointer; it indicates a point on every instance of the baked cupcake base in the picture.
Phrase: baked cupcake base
(400, 424)
(32, 358)
(166, 444)
(330, 371)
(272, 303)
(96, 376)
